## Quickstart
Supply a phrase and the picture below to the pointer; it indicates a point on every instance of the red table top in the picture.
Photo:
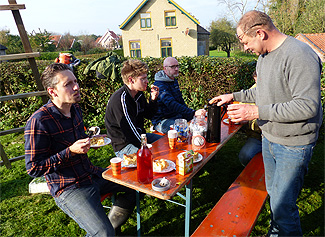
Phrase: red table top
(160, 150)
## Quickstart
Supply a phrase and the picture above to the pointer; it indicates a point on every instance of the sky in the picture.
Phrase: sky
(79, 17)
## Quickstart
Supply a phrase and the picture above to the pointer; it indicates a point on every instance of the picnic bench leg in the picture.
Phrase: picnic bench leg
(138, 213)
(188, 208)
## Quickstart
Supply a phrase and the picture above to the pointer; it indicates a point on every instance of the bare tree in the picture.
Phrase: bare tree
(237, 8)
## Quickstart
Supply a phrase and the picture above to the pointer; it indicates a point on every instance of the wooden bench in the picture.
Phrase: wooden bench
(238, 209)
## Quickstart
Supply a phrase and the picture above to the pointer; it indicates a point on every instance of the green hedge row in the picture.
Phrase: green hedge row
(201, 78)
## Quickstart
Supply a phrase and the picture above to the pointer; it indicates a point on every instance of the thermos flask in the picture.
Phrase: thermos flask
(214, 123)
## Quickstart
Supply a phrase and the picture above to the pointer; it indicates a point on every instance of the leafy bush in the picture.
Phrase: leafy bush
(201, 78)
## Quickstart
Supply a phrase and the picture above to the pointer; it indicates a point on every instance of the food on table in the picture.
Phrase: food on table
(191, 153)
(130, 159)
(163, 182)
(159, 165)
(97, 141)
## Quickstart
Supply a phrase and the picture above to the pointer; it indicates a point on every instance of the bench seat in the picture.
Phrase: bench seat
(237, 210)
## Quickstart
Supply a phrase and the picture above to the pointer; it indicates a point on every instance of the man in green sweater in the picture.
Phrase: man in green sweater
(288, 110)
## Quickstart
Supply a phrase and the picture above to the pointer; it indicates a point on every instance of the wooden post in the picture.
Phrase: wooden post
(28, 48)
(4, 157)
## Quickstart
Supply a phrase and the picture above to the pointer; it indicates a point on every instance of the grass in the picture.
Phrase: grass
(236, 54)
(23, 214)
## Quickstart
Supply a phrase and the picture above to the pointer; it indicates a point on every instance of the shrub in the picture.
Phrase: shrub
(201, 78)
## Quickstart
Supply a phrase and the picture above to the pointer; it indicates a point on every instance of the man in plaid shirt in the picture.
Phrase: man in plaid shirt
(56, 146)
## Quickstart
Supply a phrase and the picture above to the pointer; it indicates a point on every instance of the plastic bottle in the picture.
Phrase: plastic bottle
(144, 162)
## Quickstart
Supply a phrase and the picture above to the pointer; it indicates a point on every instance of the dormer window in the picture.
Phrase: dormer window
(170, 18)
(145, 20)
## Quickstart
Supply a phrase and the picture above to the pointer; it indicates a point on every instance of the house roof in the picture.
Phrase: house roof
(108, 34)
(317, 40)
(55, 39)
(143, 3)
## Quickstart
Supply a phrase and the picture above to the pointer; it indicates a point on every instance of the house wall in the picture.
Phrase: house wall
(182, 45)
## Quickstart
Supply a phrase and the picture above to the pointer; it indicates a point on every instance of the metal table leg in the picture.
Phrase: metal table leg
(188, 208)
(138, 213)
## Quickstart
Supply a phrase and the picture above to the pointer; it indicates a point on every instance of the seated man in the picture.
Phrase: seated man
(171, 105)
(127, 108)
(56, 146)
(253, 144)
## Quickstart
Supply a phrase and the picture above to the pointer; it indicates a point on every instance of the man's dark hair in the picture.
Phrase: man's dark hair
(48, 78)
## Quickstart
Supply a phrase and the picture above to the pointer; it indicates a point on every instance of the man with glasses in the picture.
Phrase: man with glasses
(288, 109)
(171, 105)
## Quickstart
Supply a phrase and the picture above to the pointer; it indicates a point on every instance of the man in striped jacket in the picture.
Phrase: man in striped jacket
(127, 108)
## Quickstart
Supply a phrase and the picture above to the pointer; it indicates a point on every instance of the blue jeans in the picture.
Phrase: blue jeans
(84, 207)
(249, 150)
(285, 168)
(131, 149)
(164, 125)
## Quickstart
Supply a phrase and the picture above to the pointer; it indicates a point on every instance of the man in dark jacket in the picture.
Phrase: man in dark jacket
(171, 105)
(127, 108)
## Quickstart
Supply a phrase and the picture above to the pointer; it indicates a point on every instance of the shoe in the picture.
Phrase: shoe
(118, 216)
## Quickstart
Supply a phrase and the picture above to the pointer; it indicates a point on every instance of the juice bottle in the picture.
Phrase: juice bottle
(144, 162)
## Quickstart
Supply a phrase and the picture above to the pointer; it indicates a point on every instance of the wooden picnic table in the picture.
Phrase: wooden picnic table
(160, 150)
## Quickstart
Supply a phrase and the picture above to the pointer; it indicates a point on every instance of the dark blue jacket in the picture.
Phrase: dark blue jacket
(170, 101)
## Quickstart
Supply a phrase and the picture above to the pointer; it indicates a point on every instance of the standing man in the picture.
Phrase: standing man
(171, 105)
(288, 109)
(56, 146)
(127, 108)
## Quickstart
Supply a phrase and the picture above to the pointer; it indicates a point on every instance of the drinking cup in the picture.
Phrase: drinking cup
(172, 138)
(116, 164)
(181, 127)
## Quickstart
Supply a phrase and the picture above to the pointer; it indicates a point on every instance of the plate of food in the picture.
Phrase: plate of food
(129, 161)
(163, 166)
(99, 141)
(197, 157)
(226, 121)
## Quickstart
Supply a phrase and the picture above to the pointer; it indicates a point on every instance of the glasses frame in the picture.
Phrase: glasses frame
(240, 37)
(173, 66)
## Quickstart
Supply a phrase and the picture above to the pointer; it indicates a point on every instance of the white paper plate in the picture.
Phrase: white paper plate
(171, 166)
(106, 142)
(199, 157)
(128, 166)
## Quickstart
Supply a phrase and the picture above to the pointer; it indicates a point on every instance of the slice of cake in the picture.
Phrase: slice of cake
(160, 165)
(130, 159)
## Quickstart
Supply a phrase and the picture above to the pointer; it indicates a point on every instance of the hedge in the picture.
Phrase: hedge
(201, 78)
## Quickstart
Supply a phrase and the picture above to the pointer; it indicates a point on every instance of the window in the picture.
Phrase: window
(145, 20)
(170, 18)
(166, 48)
(135, 49)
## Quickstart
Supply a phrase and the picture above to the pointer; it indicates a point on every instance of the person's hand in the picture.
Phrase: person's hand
(81, 146)
(200, 112)
(241, 112)
(222, 99)
(154, 92)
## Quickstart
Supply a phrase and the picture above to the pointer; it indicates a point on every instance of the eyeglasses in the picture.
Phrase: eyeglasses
(173, 66)
(240, 37)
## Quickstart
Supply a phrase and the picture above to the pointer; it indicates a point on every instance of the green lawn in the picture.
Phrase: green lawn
(23, 214)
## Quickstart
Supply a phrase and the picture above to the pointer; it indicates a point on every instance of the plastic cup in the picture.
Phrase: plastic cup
(172, 138)
(116, 164)
(181, 127)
